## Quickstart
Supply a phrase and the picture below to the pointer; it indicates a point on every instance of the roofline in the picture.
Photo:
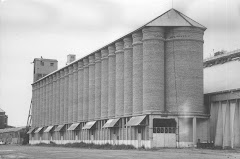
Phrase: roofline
(223, 91)
(76, 61)
(225, 55)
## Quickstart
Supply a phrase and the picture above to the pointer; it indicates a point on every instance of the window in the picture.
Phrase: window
(42, 63)
(51, 64)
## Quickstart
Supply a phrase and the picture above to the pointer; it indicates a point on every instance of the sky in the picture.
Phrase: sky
(55, 28)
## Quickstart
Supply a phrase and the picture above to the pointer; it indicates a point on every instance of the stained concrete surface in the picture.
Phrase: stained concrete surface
(29, 152)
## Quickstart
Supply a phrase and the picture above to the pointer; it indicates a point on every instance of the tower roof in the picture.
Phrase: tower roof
(174, 18)
(2, 110)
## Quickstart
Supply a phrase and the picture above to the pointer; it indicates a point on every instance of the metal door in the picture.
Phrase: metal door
(164, 137)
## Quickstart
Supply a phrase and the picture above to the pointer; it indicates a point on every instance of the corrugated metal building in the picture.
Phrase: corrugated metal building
(144, 89)
(12, 135)
(222, 94)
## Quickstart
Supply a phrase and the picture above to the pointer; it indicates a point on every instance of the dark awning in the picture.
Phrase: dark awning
(31, 131)
(89, 125)
(110, 123)
(38, 130)
(59, 128)
(73, 126)
(135, 121)
(48, 129)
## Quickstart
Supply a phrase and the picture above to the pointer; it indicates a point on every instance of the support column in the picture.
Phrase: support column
(70, 94)
(54, 99)
(75, 92)
(128, 76)
(97, 86)
(137, 73)
(153, 69)
(91, 112)
(194, 131)
(119, 79)
(57, 119)
(62, 90)
(66, 79)
(151, 130)
(86, 90)
(104, 84)
(111, 81)
(80, 90)
(232, 115)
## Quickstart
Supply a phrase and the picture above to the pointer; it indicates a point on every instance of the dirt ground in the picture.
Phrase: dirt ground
(28, 152)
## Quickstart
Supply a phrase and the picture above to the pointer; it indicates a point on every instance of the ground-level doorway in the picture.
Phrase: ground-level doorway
(164, 133)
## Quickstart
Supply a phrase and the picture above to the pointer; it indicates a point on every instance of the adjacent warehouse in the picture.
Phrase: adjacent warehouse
(222, 94)
(144, 89)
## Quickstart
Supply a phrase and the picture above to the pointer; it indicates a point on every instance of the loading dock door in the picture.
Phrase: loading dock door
(164, 133)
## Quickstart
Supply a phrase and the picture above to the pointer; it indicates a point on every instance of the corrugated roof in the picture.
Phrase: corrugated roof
(170, 18)
(11, 129)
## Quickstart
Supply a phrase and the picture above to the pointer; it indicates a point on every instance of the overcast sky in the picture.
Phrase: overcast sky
(54, 28)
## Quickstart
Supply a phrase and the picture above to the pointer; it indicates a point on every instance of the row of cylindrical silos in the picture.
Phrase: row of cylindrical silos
(153, 70)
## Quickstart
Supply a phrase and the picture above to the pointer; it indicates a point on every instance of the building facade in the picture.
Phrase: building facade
(42, 67)
(3, 119)
(222, 94)
(144, 89)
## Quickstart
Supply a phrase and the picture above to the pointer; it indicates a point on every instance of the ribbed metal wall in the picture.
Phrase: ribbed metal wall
(91, 112)
(137, 73)
(153, 69)
(50, 101)
(111, 81)
(104, 84)
(44, 101)
(97, 85)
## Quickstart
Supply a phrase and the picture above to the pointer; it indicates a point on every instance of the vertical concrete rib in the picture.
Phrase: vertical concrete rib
(91, 111)
(44, 101)
(75, 92)
(104, 83)
(80, 90)
(33, 105)
(54, 99)
(111, 81)
(50, 100)
(119, 79)
(97, 86)
(153, 69)
(47, 100)
(128, 76)
(86, 90)
(58, 99)
(62, 90)
(40, 103)
(66, 79)
(70, 94)
(137, 73)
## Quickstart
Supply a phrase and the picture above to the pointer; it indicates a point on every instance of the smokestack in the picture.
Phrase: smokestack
(70, 58)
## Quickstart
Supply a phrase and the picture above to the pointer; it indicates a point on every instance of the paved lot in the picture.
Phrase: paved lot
(28, 152)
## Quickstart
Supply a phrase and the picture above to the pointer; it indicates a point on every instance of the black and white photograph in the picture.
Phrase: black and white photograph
(119, 79)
